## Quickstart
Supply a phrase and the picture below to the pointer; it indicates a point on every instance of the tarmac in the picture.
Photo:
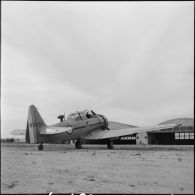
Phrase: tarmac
(95, 169)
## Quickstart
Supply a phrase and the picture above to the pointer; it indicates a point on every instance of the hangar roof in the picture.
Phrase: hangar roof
(184, 121)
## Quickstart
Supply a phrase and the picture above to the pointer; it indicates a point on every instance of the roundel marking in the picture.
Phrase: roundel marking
(70, 130)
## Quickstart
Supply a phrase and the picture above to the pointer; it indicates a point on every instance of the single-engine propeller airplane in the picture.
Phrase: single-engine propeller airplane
(79, 126)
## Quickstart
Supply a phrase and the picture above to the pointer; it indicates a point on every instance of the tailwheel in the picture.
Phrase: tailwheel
(110, 144)
(78, 144)
(40, 146)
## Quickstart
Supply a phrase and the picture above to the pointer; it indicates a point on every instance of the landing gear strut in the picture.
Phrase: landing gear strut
(40, 146)
(110, 144)
(78, 144)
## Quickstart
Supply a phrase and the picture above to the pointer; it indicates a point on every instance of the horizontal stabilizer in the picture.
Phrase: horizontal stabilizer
(18, 132)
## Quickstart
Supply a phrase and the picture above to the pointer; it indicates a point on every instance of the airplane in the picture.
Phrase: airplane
(79, 126)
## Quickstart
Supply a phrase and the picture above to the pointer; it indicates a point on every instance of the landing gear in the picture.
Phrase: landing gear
(78, 144)
(40, 146)
(110, 144)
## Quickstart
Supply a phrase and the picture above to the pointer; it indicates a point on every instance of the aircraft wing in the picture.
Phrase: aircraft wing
(105, 134)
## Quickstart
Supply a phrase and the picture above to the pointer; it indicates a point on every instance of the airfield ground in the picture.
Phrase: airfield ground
(95, 169)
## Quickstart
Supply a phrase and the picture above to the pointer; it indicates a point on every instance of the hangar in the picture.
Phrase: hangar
(184, 135)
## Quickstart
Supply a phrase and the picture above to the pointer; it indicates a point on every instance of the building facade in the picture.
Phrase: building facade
(183, 135)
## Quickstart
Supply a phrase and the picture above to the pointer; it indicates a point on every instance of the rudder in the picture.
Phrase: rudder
(34, 125)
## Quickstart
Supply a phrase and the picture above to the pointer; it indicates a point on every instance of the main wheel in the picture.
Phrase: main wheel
(40, 146)
(110, 144)
(78, 144)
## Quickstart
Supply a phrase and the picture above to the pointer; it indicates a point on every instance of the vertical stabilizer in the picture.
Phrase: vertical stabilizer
(34, 125)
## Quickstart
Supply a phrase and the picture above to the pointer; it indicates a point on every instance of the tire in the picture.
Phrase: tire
(40, 147)
(110, 144)
(78, 144)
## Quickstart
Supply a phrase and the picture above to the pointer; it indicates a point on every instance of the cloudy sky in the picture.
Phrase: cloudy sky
(132, 61)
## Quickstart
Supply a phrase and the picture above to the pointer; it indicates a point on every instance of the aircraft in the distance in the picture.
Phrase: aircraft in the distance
(79, 126)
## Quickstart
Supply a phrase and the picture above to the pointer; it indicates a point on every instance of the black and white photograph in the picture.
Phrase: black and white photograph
(97, 97)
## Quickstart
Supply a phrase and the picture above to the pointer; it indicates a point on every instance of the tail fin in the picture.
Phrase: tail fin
(34, 124)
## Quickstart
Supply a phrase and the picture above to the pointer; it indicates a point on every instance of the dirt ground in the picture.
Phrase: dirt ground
(95, 169)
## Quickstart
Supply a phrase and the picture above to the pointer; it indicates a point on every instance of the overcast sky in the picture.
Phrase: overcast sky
(132, 61)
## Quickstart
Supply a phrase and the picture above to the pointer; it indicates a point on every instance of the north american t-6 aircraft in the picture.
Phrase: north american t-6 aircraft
(79, 126)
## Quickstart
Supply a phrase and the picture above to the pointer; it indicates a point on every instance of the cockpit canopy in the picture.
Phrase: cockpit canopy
(81, 115)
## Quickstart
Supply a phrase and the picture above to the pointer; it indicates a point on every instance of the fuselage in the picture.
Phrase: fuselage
(74, 129)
